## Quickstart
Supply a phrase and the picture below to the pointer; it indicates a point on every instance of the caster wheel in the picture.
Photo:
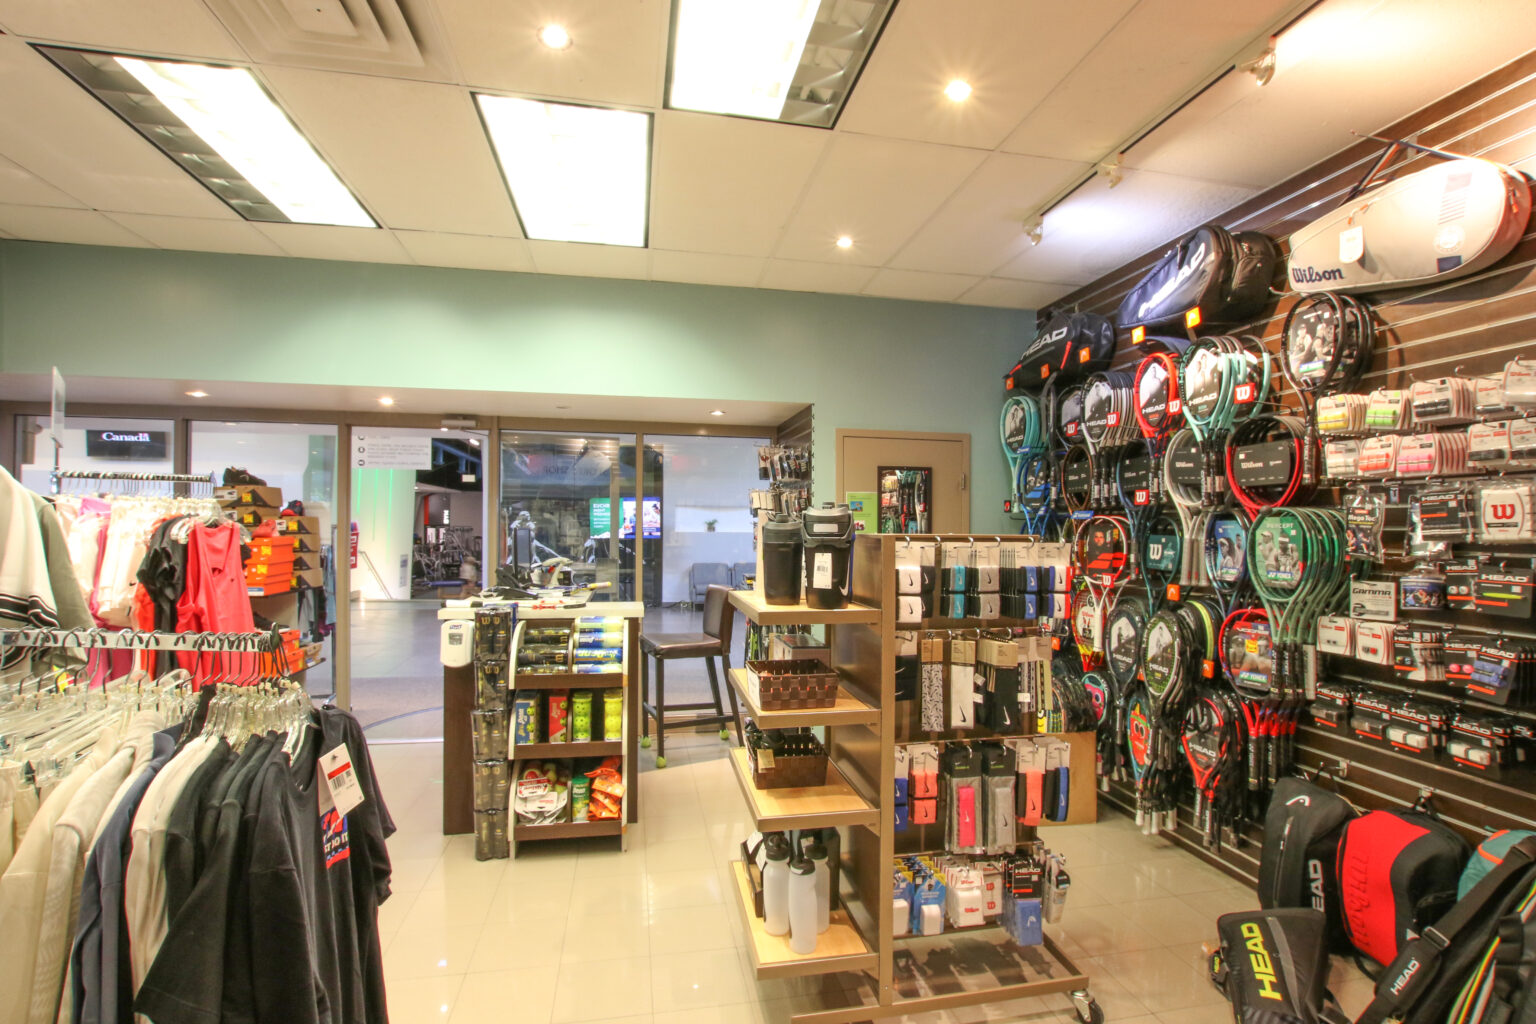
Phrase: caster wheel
(1088, 1011)
(645, 741)
(725, 734)
(661, 762)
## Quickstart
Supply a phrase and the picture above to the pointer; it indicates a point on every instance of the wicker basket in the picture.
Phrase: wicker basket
(789, 772)
(792, 685)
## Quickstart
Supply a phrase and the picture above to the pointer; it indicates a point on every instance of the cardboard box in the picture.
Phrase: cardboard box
(309, 525)
(254, 515)
(269, 587)
(244, 494)
(306, 543)
(256, 572)
(312, 578)
(305, 560)
(273, 549)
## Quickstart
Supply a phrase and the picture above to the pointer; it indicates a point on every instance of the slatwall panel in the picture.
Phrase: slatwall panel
(796, 430)
(1466, 327)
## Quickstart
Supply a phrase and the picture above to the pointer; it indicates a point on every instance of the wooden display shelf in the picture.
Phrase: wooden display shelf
(754, 606)
(839, 948)
(846, 710)
(835, 803)
(568, 681)
(593, 748)
(568, 830)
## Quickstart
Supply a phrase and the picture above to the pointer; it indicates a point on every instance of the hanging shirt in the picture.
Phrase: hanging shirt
(69, 601)
(214, 598)
(26, 592)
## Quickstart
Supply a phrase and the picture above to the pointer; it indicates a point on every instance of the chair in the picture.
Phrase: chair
(714, 642)
(702, 575)
(739, 573)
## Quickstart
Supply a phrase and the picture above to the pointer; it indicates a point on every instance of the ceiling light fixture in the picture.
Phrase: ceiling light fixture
(1262, 67)
(475, 441)
(223, 128)
(576, 174)
(1034, 229)
(958, 90)
(717, 412)
(844, 242)
(197, 394)
(777, 60)
(386, 400)
(555, 37)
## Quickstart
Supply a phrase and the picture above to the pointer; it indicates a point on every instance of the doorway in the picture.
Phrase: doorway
(946, 458)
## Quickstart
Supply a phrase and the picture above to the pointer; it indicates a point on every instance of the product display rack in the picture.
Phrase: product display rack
(871, 973)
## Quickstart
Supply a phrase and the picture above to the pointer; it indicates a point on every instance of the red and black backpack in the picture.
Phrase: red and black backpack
(1397, 874)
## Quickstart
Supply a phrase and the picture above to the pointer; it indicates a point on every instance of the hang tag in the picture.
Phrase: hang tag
(339, 782)
(821, 570)
(1352, 244)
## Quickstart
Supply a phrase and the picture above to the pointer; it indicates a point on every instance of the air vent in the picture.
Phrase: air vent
(370, 36)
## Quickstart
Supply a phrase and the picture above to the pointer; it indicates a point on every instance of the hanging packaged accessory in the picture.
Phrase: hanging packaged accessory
(1224, 277)
(1445, 513)
(1504, 512)
(1432, 455)
(1387, 410)
(1504, 591)
(1336, 635)
(1378, 456)
(1342, 414)
(1364, 518)
(1373, 599)
(1341, 460)
(1422, 590)
(1517, 385)
(1488, 445)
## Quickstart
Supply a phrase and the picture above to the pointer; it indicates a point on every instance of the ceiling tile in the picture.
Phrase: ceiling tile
(727, 184)
(1341, 69)
(478, 252)
(64, 136)
(1012, 60)
(1014, 294)
(414, 152)
(982, 225)
(21, 186)
(582, 260)
(198, 234)
(617, 52)
(1156, 55)
(322, 242)
(914, 284)
(1098, 228)
(801, 276)
(705, 268)
(878, 191)
(55, 224)
(168, 28)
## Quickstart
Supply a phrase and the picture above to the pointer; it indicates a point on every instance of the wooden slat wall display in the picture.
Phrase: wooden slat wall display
(796, 430)
(1466, 327)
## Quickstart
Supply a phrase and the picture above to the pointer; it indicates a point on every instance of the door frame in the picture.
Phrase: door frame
(909, 435)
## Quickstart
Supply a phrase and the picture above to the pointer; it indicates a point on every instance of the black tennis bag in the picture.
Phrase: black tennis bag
(1273, 965)
(1071, 345)
(1227, 275)
(1301, 841)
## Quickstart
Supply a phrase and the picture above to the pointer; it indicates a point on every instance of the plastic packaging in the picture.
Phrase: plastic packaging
(581, 716)
(613, 714)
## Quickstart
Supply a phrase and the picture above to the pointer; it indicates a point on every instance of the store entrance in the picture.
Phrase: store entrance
(418, 523)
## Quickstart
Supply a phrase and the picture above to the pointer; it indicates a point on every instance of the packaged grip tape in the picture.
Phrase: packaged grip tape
(1373, 599)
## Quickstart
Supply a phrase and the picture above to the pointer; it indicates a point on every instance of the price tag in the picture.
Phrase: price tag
(339, 780)
(1175, 406)
(765, 760)
(821, 570)
(1244, 394)
(1352, 244)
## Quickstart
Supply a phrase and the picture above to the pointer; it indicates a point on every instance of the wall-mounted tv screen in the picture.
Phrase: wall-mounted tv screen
(599, 523)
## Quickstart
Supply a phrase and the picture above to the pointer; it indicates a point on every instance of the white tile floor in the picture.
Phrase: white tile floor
(574, 932)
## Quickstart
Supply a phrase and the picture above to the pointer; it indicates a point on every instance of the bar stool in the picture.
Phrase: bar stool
(714, 642)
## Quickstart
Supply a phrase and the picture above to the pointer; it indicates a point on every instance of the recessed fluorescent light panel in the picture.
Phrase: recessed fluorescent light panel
(777, 60)
(223, 128)
(576, 174)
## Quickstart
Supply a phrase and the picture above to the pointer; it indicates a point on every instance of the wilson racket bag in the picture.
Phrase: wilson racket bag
(1273, 965)
(1448, 220)
(1070, 346)
(1297, 865)
(1480, 954)
(1227, 275)
(1397, 873)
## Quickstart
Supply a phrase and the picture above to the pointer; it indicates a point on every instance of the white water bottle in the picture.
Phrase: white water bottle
(802, 906)
(776, 884)
(816, 853)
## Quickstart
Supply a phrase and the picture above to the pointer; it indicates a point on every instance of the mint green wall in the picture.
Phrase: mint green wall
(868, 363)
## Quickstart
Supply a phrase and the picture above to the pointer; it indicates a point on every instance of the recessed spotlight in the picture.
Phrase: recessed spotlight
(197, 394)
(555, 37)
(386, 400)
(958, 90)
(844, 242)
(717, 412)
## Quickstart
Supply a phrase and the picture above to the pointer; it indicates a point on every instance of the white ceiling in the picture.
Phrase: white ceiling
(935, 194)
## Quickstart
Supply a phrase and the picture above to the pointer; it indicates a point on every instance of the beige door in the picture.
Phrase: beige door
(861, 453)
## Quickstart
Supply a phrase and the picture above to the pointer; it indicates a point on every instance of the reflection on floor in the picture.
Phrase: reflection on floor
(397, 681)
(579, 931)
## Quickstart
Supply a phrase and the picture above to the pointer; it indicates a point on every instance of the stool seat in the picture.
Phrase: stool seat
(680, 645)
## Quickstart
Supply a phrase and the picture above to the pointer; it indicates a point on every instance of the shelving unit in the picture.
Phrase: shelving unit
(883, 976)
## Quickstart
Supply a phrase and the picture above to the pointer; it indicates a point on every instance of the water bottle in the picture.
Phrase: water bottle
(802, 906)
(776, 884)
(816, 853)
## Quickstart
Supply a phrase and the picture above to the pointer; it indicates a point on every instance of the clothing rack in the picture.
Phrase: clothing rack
(191, 479)
(135, 640)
